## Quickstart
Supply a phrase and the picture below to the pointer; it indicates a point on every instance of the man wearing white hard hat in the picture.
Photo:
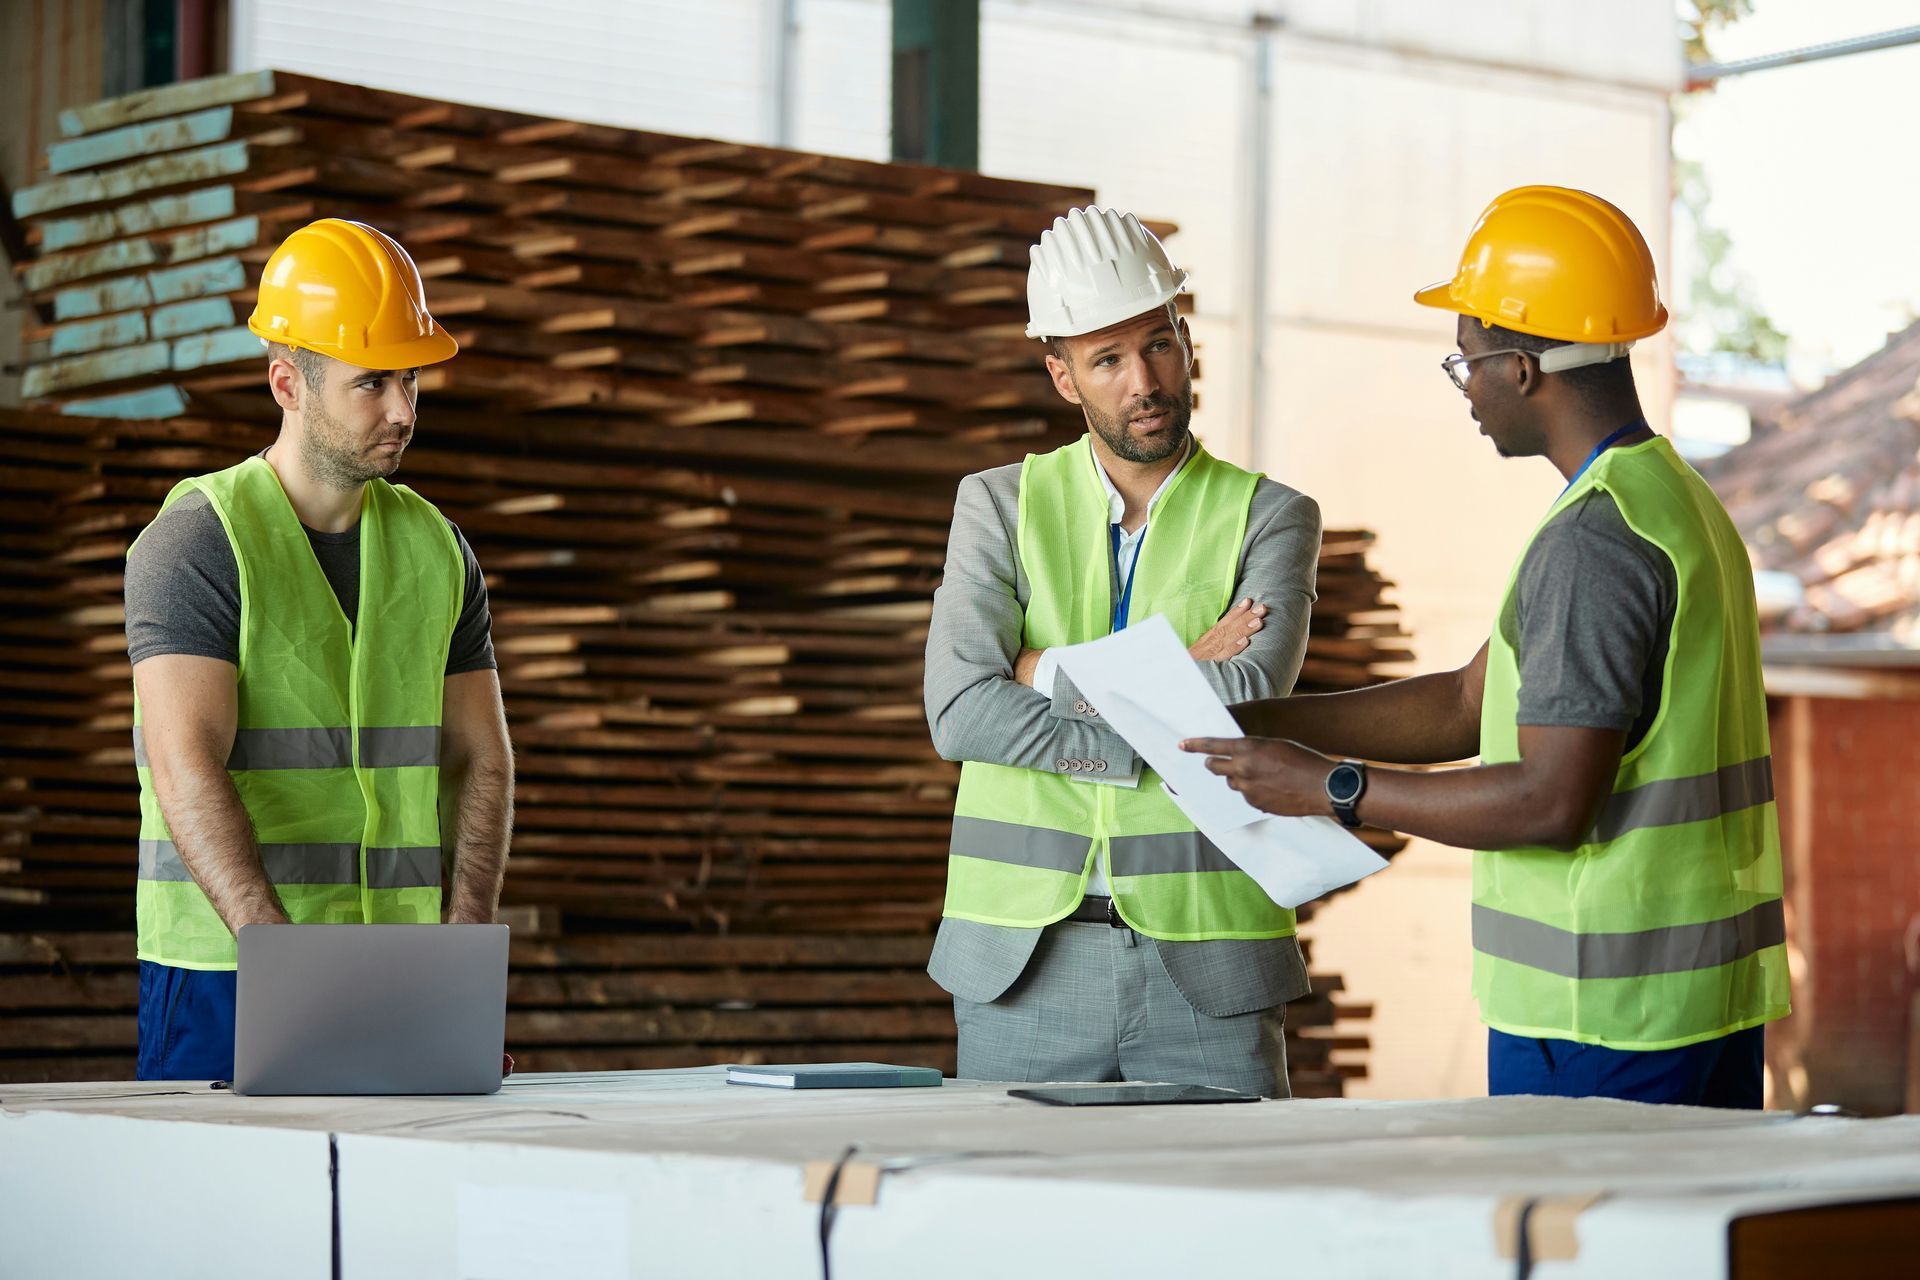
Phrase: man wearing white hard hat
(1090, 932)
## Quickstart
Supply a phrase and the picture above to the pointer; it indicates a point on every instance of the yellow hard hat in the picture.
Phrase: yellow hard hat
(346, 290)
(1555, 263)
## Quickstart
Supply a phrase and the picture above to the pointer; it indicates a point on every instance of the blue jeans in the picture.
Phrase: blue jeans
(186, 1023)
(1725, 1072)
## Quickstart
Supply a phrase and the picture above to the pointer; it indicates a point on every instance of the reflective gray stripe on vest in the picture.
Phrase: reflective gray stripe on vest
(1170, 854)
(277, 749)
(400, 748)
(1010, 842)
(258, 749)
(397, 868)
(1678, 948)
(1672, 801)
(407, 868)
(1049, 850)
(284, 863)
(291, 749)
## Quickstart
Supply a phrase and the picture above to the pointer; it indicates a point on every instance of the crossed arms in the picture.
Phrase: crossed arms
(979, 709)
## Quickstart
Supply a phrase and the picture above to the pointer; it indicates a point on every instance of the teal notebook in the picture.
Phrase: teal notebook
(834, 1075)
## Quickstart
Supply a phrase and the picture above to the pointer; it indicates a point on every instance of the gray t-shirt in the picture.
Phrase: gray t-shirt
(183, 589)
(1590, 621)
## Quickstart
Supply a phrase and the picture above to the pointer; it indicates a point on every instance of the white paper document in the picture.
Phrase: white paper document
(1151, 691)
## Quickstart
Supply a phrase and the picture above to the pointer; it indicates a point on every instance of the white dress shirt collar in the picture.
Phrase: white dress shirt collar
(1117, 505)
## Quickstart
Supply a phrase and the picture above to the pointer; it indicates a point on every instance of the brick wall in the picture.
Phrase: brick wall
(1847, 773)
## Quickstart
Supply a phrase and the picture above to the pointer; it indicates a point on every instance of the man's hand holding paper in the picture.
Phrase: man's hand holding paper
(1150, 691)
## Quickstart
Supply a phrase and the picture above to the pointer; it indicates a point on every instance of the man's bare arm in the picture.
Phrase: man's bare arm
(1550, 797)
(476, 796)
(189, 707)
(1428, 719)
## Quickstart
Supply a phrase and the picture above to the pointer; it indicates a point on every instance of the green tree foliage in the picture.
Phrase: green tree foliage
(1699, 18)
(1722, 312)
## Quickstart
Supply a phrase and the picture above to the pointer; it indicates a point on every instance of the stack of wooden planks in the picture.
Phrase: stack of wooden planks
(617, 1001)
(686, 282)
(703, 434)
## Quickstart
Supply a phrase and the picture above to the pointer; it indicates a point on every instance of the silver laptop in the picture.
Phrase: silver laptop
(370, 1008)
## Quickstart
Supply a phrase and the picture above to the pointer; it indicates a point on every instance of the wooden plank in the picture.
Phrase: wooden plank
(109, 296)
(196, 316)
(197, 280)
(80, 337)
(108, 366)
(217, 238)
(169, 284)
(144, 138)
(179, 169)
(141, 217)
(152, 402)
(225, 346)
(166, 100)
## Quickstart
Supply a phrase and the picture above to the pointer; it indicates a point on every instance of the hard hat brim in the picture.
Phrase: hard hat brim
(1440, 296)
(1437, 295)
(1096, 322)
(415, 353)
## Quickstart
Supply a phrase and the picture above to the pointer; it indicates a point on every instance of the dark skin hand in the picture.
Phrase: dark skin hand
(1550, 797)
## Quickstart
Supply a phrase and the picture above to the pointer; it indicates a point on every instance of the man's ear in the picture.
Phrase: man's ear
(1062, 375)
(286, 383)
(1186, 338)
(1526, 375)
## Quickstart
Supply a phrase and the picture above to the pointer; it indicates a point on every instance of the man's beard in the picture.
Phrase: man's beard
(332, 455)
(1119, 437)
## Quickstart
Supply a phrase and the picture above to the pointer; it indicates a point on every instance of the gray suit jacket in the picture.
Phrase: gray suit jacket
(978, 712)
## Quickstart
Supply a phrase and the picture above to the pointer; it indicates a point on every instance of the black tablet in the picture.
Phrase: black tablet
(1130, 1095)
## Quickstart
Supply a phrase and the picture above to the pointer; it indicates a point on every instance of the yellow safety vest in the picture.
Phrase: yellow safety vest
(1666, 927)
(1025, 840)
(338, 745)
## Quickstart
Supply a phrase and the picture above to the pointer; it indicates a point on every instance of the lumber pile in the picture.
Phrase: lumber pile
(623, 1001)
(684, 282)
(703, 434)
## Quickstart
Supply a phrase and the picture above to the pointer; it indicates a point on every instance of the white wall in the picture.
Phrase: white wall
(1154, 115)
(700, 69)
(1390, 124)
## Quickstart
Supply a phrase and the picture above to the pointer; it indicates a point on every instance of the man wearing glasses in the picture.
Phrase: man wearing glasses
(1628, 930)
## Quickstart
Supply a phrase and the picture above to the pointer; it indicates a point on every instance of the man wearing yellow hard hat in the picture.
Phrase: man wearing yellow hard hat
(313, 665)
(1089, 931)
(1628, 930)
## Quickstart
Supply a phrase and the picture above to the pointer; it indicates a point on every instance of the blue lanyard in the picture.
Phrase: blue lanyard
(1638, 424)
(1126, 588)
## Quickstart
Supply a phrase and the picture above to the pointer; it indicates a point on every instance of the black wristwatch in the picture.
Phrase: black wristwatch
(1345, 785)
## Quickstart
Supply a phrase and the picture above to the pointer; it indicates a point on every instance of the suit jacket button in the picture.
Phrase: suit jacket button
(1080, 706)
(1092, 712)
(1064, 766)
(1099, 766)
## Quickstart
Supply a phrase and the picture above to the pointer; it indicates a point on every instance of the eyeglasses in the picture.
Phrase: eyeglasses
(1456, 364)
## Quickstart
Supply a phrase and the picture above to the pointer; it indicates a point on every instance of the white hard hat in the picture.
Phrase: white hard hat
(1093, 268)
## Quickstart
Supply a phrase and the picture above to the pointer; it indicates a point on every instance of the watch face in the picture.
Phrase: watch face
(1343, 784)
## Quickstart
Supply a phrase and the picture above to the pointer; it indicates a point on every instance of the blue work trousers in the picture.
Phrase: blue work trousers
(1724, 1072)
(185, 1023)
